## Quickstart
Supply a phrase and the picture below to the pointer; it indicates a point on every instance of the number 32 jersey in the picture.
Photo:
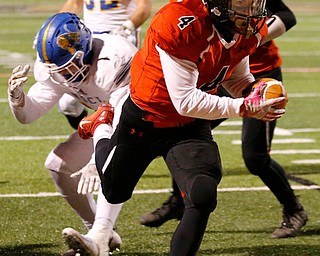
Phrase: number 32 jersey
(103, 16)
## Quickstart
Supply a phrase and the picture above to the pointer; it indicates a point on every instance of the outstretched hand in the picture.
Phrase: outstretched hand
(16, 82)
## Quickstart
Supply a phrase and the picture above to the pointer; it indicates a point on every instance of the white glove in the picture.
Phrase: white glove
(89, 181)
(15, 84)
(125, 30)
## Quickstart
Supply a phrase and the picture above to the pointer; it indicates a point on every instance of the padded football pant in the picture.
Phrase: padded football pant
(191, 156)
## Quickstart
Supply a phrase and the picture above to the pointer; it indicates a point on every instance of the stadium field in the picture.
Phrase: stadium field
(32, 214)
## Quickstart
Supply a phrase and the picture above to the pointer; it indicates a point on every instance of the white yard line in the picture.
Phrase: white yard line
(295, 151)
(215, 132)
(165, 190)
(278, 131)
(282, 141)
(15, 138)
(306, 161)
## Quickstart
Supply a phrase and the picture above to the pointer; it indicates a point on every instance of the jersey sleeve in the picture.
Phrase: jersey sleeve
(113, 64)
(178, 31)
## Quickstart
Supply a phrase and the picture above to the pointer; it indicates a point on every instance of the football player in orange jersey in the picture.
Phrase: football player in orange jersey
(256, 137)
(191, 47)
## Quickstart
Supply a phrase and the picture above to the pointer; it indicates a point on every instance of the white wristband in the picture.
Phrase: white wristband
(129, 25)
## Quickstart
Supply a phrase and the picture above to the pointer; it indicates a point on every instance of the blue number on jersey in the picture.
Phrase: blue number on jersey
(104, 5)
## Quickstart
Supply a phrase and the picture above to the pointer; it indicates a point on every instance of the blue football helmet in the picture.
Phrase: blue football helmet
(64, 46)
(245, 17)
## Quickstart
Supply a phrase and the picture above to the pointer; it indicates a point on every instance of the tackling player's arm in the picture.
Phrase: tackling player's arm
(27, 108)
(74, 6)
(282, 19)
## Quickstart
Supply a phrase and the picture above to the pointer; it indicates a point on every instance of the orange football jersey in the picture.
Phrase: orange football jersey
(185, 31)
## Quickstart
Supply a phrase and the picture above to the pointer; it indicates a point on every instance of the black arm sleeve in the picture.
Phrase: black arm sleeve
(278, 7)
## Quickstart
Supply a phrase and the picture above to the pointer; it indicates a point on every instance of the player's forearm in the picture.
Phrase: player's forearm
(26, 114)
(181, 77)
(142, 13)
(37, 102)
(279, 23)
(74, 6)
(275, 29)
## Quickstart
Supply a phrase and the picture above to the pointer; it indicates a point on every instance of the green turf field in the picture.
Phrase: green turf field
(31, 225)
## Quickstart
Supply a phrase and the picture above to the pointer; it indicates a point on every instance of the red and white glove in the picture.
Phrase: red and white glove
(89, 180)
(16, 83)
(257, 107)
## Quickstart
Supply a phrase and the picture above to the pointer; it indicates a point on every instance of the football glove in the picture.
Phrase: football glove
(89, 180)
(127, 30)
(257, 107)
(16, 83)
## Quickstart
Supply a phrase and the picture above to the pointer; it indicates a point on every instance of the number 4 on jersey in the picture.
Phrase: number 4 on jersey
(185, 21)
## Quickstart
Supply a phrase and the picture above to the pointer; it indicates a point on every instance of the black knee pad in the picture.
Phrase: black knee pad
(203, 192)
(257, 163)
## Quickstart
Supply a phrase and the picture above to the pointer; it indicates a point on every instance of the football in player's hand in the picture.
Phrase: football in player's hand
(273, 89)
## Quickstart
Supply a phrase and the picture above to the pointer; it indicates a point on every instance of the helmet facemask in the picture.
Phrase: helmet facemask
(245, 17)
(73, 72)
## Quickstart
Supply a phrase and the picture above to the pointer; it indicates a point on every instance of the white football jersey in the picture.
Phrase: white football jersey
(108, 80)
(104, 16)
